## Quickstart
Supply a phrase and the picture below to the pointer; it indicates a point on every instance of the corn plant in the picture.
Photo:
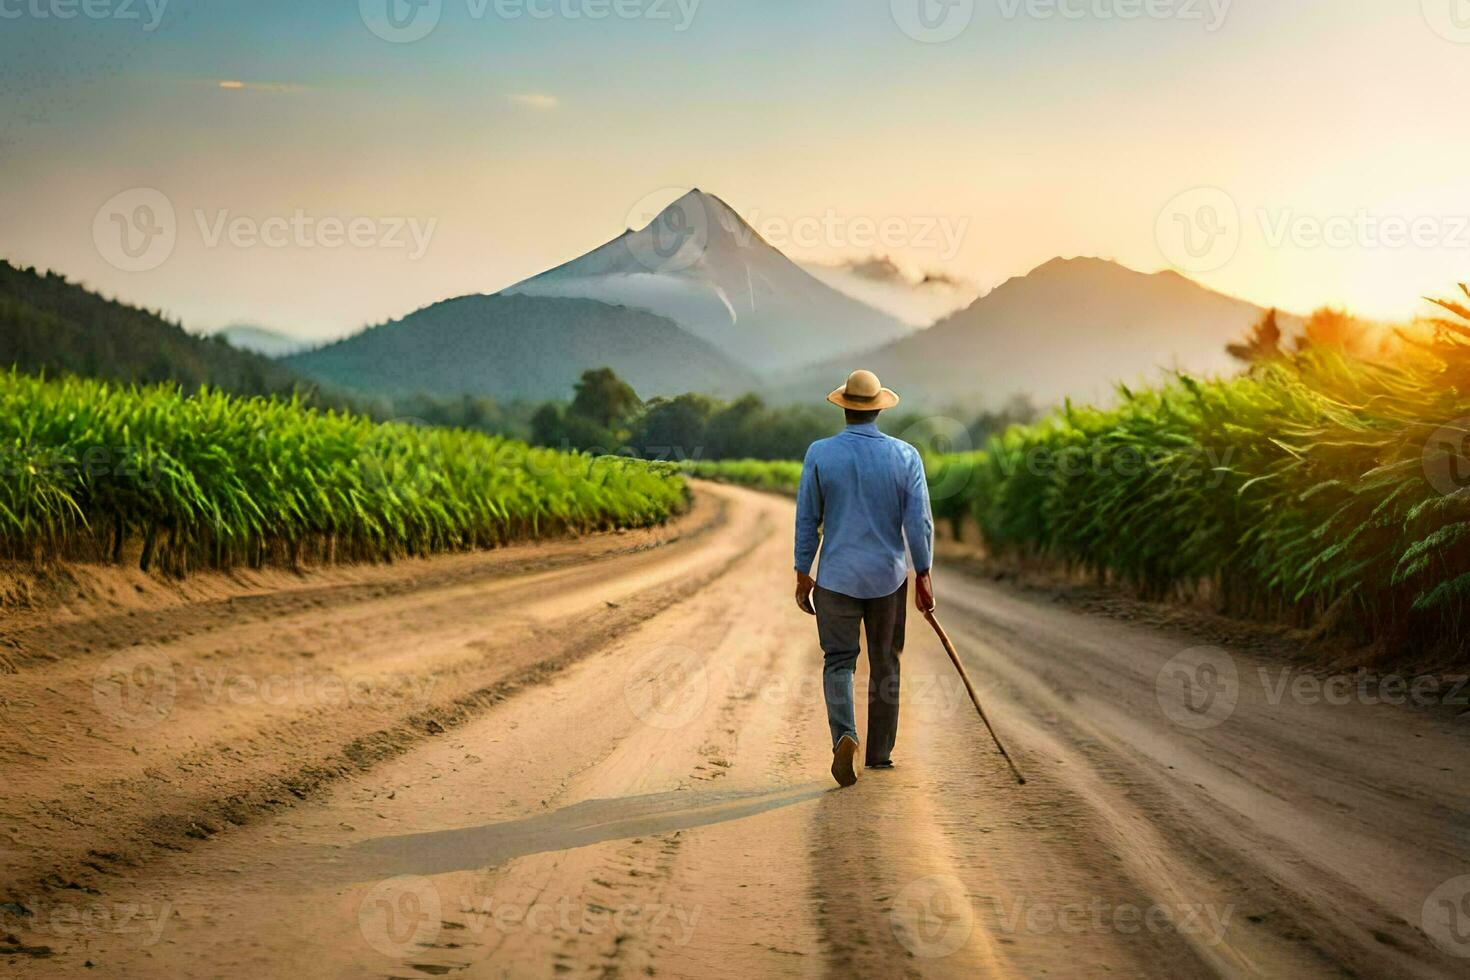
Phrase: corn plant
(213, 480)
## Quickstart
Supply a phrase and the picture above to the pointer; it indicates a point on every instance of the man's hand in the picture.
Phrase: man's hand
(924, 592)
(804, 585)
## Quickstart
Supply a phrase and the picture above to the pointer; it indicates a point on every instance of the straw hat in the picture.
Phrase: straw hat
(864, 393)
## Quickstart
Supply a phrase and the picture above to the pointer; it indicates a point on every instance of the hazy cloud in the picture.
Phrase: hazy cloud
(916, 297)
(540, 101)
(238, 85)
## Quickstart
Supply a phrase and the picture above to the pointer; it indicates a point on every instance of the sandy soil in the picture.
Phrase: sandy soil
(608, 757)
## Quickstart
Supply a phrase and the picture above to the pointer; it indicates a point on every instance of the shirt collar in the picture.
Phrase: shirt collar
(869, 429)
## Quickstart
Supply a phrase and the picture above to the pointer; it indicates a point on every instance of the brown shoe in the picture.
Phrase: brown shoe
(842, 761)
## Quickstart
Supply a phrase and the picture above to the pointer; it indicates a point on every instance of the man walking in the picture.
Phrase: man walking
(862, 493)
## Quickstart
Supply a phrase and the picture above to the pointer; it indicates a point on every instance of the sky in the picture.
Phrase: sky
(320, 166)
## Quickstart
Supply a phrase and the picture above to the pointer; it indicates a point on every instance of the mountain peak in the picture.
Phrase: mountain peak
(1076, 264)
(699, 210)
(700, 264)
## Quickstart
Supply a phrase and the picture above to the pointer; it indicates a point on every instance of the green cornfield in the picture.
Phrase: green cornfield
(210, 480)
(1316, 489)
(781, 476)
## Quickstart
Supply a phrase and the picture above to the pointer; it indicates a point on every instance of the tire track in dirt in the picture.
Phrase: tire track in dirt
(219, 762)
(1289, 853)
(660, 806)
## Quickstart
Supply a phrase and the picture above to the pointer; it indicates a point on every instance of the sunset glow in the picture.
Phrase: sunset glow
(1332, 132)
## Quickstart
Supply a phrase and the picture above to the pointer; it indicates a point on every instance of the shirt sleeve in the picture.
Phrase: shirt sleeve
(918, 520)
(808, 515)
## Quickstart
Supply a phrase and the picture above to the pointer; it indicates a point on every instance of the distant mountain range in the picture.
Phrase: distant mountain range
(513, 347)
(262, 340)
(699, 264)
(1071, 327)
(695, 301)
(698, 301)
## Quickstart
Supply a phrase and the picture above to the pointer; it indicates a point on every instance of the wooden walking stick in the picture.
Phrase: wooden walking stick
(955, 659)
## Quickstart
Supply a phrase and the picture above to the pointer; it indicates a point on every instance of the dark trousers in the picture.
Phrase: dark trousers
(838, 620)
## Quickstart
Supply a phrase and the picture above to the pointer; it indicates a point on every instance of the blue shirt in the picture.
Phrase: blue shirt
(866, 492)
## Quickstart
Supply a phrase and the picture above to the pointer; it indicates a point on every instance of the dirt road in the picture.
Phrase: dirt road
(608, 757)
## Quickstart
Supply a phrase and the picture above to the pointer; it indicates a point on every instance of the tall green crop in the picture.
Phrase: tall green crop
(1314, 488)
(216, 480)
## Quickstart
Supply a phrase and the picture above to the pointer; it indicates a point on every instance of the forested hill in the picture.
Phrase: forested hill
(50, 325)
